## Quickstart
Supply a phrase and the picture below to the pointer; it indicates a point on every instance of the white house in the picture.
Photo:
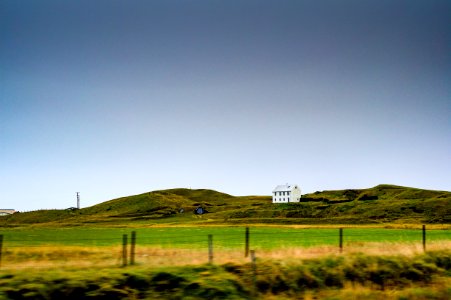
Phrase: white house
(5, 212)
(286, 193)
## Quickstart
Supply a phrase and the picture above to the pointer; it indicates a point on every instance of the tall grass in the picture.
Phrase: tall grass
(350, 276)
(48, 257)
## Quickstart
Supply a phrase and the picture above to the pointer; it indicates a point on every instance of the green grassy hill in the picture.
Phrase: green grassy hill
(380, 204)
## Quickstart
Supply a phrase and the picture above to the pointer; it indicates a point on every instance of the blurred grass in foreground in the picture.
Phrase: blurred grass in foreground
(349, 276)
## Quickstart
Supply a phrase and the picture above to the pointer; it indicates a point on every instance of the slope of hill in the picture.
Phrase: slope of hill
(380, 204)
(388, 203)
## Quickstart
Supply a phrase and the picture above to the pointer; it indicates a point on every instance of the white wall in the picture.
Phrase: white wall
(296, 194)
(281, 197)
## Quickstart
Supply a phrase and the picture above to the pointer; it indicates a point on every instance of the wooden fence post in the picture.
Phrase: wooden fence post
(132, 248)
(246, 239)
(1, 249)
(254, 271)
(124, 250)
(341, 239)
(424, 238)
(210, 248)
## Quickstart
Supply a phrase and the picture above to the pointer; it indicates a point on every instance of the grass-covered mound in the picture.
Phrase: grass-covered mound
(358, 276)
(386, 203)
(381, 204)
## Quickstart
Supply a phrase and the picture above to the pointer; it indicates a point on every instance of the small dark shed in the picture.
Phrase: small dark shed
(200, 210)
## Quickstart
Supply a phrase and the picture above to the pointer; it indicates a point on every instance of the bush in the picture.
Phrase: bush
(230, 281)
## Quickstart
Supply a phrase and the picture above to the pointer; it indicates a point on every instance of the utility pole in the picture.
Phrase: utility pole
(78, 200)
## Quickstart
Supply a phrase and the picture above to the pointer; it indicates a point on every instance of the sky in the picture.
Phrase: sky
(112, 98)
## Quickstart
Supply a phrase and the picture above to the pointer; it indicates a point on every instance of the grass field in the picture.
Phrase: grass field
(261, 237)
(78, 254)
(173, 263)
(48, 247)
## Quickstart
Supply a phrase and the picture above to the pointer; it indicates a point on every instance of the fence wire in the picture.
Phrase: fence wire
(160, 249)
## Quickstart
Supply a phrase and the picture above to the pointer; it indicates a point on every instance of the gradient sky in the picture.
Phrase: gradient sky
(114, 98)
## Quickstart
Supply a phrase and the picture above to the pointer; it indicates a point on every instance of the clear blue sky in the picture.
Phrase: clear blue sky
(112, 98)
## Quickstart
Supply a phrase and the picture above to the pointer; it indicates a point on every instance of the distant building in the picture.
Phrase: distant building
(286, 193)
(5, 212)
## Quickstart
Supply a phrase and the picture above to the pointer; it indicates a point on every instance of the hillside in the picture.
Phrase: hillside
(380, 204)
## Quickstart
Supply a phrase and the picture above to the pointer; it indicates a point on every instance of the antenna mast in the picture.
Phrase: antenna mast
(78, 200)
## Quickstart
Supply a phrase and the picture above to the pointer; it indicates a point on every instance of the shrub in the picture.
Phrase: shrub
(233, 281)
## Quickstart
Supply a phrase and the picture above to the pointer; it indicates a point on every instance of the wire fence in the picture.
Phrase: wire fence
(189, 247)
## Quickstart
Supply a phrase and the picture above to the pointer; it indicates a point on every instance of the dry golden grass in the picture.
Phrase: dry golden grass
(368, 248)
(108, 256)
(60, 257)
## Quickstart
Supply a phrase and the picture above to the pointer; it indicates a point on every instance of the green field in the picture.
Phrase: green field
(225, 237)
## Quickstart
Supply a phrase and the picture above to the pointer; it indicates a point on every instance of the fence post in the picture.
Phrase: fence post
(424, 238)
(246, 247)
(254, 271)
(1, 249)
(124, 250)
(341, 239)
(132, 248)
(210, 248)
